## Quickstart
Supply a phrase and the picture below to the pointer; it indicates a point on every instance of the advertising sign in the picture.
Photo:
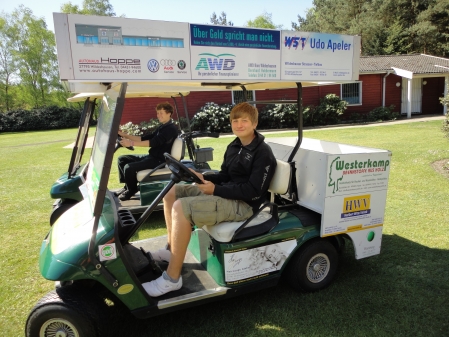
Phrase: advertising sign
(249, 264)
(120, 49)
(356, 192)
(317, 56)
(232, 53)
(92, 48)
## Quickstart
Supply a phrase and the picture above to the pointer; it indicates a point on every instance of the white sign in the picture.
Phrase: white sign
(356, 192)
(250, 264)
(316, 56)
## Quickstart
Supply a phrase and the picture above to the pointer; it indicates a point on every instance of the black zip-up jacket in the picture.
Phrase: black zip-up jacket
(161, 140)
(246, 172)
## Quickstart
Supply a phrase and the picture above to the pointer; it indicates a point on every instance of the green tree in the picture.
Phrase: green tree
(8, 63)
(90, 7)
(34, 50)
(221, 20)
(386, 26)
(263, 21)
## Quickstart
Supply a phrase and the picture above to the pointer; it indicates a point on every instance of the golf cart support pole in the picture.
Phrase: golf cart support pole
(245, 98)
(186, 112)
(300, 123)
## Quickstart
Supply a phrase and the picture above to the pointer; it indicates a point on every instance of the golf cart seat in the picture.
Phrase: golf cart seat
(161, 172)
(262, 221)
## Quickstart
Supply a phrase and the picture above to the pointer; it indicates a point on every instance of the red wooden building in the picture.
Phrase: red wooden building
(412, 83)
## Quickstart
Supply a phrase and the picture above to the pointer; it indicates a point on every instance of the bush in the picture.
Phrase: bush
(278, 116)
(212, 117)
(328, 112)
(147, 126)
(382, 114)
(48, 118)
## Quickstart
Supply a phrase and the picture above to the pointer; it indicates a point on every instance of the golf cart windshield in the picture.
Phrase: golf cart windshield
(110, 112)
(81, 139)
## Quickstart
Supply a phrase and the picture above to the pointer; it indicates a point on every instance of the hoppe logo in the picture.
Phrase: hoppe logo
(153, 65)
(110, 60)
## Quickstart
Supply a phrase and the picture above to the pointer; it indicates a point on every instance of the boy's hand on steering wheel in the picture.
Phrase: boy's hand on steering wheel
(199, 175)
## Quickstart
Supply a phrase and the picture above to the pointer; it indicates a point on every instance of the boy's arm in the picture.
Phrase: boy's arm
(262, 172)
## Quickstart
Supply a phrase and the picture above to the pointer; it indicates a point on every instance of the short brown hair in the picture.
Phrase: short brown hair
(166, 106)
(245, 109)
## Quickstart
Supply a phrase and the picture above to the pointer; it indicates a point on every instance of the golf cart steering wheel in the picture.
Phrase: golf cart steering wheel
(180, 170)
(118, 145)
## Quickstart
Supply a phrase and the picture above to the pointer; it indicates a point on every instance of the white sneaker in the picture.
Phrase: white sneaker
(162, 254)
(161, 286)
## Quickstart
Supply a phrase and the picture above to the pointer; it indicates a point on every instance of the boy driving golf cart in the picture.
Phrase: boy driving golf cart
(231, 195)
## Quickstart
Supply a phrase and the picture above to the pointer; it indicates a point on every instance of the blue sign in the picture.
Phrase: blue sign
(232, 37)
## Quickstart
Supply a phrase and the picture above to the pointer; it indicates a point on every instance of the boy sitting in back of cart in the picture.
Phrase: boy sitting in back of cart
(233, 194)
(159, 141)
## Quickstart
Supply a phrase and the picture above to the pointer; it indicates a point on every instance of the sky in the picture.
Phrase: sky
(194, 11)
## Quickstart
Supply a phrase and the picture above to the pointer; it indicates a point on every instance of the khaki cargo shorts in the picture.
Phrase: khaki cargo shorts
(203, 209)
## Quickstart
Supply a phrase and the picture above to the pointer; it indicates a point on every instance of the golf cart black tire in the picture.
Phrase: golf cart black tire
(61, 209)
(67, 309)
(320, 251)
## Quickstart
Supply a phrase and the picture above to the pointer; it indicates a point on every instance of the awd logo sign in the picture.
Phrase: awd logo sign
(295, 42)
(216, 62)
(356, 206)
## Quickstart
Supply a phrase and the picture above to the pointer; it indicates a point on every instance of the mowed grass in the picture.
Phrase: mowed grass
(404, 291)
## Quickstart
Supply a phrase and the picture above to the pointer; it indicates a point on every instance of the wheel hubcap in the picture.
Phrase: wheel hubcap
(58, 328)
(318, 268)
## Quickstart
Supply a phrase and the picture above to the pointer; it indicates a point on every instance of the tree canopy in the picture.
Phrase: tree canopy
(90, 7)
(386, 26)
(263, 21)
(220, 20)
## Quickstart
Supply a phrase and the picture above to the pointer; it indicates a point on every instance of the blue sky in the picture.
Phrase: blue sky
(194, 11)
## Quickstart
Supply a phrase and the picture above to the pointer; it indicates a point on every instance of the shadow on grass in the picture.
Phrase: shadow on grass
(403, 291)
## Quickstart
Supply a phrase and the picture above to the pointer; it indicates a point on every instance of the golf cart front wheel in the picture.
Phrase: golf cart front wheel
(56, 317)
(313, 267)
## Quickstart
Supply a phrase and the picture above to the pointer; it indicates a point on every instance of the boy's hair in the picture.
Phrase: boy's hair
(166, 106)
(244, 109)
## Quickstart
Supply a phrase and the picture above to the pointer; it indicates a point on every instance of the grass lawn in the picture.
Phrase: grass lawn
(404, 291)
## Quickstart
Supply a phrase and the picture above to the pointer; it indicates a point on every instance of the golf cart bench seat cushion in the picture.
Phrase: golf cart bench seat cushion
(224, 231)
(177, 152)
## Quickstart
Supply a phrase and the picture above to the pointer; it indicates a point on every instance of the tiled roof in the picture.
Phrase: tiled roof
(415, 63)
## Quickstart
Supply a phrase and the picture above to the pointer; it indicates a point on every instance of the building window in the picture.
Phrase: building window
(237, 96)
(352, 93)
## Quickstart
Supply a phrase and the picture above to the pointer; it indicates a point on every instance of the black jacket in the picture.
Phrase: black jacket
(246, 172)
(161, 140)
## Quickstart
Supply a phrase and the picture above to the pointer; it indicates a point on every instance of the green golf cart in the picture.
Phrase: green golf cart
(322, 193)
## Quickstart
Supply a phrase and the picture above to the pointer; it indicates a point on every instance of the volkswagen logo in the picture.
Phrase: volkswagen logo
(167, 62)
(153, 65)
(181, 64)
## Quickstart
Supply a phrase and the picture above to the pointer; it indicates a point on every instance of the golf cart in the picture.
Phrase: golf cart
(322, 195)
(66, 190)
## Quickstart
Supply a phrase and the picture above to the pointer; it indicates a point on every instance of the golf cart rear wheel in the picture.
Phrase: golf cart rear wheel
(313, 267)
(57, 316)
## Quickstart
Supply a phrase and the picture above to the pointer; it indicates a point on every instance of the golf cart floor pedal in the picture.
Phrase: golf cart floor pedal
(138, 261)
(153, 264)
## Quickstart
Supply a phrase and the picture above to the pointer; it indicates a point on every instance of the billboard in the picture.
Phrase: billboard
(92, 48)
